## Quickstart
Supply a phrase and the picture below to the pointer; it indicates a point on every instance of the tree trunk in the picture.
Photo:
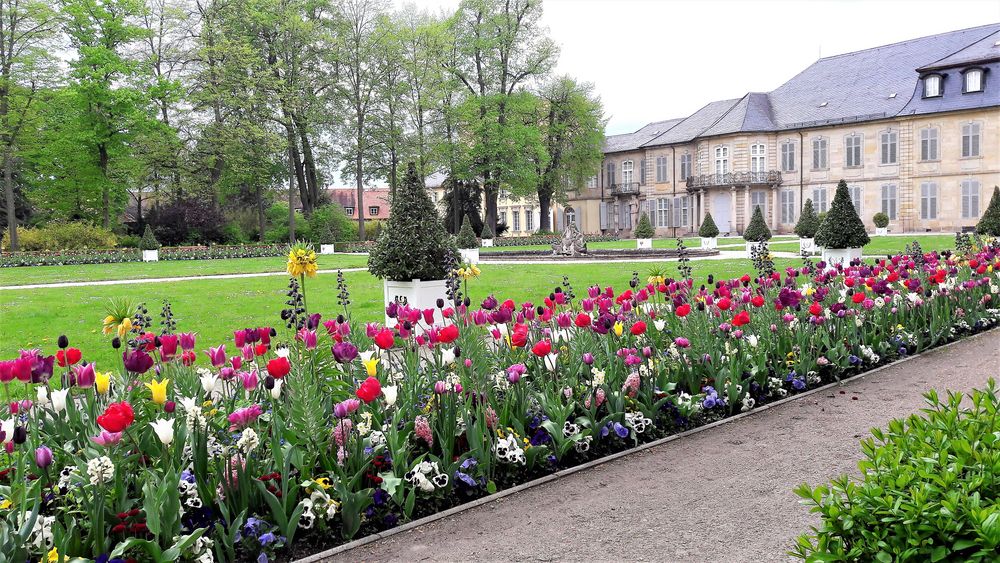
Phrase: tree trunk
(295, 166)
(312, 182)
(261, 217)
(102, 150)
(544, 212)
(358, 163)
(293, 171)
(8, 190)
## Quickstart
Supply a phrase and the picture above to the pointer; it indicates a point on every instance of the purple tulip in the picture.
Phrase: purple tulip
(43, 457)
(217, 356)
(345, 352)
(187, 340)
(588, 358)
(85, 375)
(137, 361)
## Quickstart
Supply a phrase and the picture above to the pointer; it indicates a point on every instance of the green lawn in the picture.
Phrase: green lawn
(214, 308)
(883, 245)
(690, 242)
(164, 269)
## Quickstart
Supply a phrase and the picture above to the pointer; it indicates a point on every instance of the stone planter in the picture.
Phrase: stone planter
(807, 245)
(709, 243)
(487, 242)
(150, 255)
(326, 248)
(750, 247)
(469, 255)
(644, 243)
(843, 256)
(421, 294)
(881, 231)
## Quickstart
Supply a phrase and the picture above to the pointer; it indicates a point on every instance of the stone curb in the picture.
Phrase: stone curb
(323, 555)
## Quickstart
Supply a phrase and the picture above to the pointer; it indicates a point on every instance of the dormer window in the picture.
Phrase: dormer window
(932, 85)
(973, 80)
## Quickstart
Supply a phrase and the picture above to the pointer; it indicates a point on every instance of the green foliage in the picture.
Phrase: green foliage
(149, 241)
(881, 220)
(708, 227)
(808, 221)
(487, 232)
(842, 228)
(643, 229)
(930, 489)
(62, 236)
(414, 244)
(989, 224)
(329, 224)
(757, 230)
(466, 236)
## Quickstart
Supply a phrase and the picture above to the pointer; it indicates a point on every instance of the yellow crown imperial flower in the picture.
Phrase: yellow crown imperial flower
(301, 262)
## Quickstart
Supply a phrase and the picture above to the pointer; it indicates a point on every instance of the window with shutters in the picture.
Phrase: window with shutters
(856, 199)
(686, 170)
(592, 182)
(970, 199)
(970, 140)
(819, 154)
(788, 156)
(758, 157)
(625, 216)
(888, 146)
(642, 172)
(819, 200)
(928, 200)
(972, 81)
(663, 212)
(721, 160)
(787, 200)
(627, 171)
(570, 216)
(929, 143)
(758, 199)
(889, 202)
(609, 175)
(852, 151)
(681, 215)
(661, 169)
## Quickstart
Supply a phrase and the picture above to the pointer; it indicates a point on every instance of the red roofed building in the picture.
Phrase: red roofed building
(376, 202)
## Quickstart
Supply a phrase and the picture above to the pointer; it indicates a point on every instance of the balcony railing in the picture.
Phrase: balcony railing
(625, 189)
(764, 178)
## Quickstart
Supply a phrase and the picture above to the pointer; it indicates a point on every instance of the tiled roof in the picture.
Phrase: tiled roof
(861, 86)
(632, 141)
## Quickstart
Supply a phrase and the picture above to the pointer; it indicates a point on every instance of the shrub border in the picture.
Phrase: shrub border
(323, 555)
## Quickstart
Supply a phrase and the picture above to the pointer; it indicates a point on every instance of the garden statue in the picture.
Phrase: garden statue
(572, 243)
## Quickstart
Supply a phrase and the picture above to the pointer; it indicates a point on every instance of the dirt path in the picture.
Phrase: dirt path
(721, 495)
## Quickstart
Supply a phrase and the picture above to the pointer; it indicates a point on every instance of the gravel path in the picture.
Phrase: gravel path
(720, 495)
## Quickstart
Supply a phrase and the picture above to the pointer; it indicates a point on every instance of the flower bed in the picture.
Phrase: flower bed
(13, 259)
(546, 240)
(279, 443)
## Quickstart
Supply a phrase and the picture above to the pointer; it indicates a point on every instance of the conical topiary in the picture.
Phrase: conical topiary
(842, 228)
(148, 241)
(487, 231)
(808, 221)
(643, 228)
(989, 224)
(466, 236)
(708, 227)
(414, 244)
(757, 230)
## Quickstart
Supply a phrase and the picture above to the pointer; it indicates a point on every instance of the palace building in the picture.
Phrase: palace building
(913, 127)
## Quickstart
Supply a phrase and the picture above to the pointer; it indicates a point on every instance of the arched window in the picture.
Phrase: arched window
(973, 80)
(570, 216)
(627, 170)
(932, 85)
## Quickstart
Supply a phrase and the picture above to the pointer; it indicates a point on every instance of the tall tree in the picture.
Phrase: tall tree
(27, 28)
(425, 48)
(571, 121)
(504, 48)
(106, 81)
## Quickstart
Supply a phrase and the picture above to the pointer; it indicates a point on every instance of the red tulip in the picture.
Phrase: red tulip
(385, 339)
(815, 309)
(117, 417)
(448, 334)
(741, 318)
(541, 348)
(279, 367)
(370, 389)
(519, 338)
(638, 328)
(757, 301)
(683, 310)
(858, 297)
(68, 357)
(582, 320)
(724, 304)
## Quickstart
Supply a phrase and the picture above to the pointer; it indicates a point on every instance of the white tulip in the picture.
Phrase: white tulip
(276, 390)
(164, 429)
(282, 351)
(208, 382)
(59, 400)
(390, 395)
(447, 356)
(42, 398)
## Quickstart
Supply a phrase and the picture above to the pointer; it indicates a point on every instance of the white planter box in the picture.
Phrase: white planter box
(150, 255)
(417, 293)
(750, 247)
(833, 256)
(881, 232)
(469, 255)
(644, 243)
(326, 249)
(487, 242)
(807, 245)
(709, 243)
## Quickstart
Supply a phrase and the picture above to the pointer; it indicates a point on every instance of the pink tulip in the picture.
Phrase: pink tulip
(217, 356)
(106, 438)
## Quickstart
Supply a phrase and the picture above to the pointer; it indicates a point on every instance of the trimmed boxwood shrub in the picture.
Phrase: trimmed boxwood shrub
(148, 241)
(708, 227)
(757, 230)
(989, 224)
(414, 244)
(487, 231)
(842, 228)
(881, 220)
(930, 489)
(643, 229)
(466, 236)
(808, 221)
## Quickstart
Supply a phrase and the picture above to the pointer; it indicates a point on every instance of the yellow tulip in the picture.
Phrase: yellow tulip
(370, 365)
(102, 382)
(52, 556)
(158, 390)
(5, 504)
(619, 328)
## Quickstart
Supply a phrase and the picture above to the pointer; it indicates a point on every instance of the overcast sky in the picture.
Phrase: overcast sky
(659, 59)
